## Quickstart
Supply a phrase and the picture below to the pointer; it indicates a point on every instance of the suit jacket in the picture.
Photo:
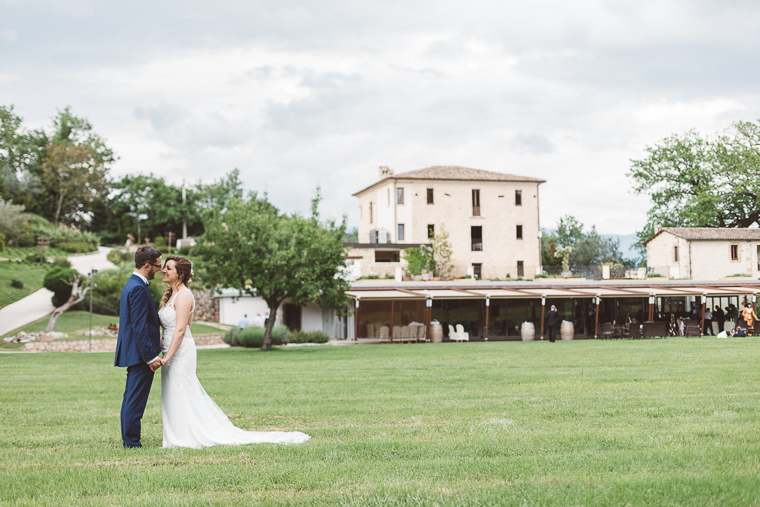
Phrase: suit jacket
(552, 318)
(139, 338)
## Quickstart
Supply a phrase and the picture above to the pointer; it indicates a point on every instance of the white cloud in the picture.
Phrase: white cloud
(300, 93)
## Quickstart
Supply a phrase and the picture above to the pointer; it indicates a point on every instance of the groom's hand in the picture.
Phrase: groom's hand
(155, 365)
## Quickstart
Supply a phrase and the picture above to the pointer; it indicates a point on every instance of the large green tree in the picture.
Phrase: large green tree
(18, 154)
(251, 247)
(588, 248)
(697, 181)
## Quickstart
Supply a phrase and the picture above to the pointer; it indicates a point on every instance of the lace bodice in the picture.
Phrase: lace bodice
(168, 317)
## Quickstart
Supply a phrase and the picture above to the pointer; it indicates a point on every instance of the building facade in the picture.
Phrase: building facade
(702, 253)
(491, 218)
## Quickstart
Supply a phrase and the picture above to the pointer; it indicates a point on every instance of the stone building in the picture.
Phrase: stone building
(702, 253)
(491, 217)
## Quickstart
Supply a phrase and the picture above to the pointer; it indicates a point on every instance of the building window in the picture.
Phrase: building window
(734, 252)
(387, 256)
(431, 231)
(476, 234)
(400, 232)
(520, 269)
(518, 197)
(477, 270)
(675, 254)
(370, 212)
(475, 202)
(430, 196)
(400, 195)
(519, 232)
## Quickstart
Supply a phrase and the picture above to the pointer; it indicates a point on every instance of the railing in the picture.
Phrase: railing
(596, 272)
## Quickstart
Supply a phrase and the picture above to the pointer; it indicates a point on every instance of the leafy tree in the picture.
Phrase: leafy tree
(17, 154)
(73, 164)
(419, 259)
(696, 181)
(588, 248)
(442, 253)
(10, 216)
(253, 248)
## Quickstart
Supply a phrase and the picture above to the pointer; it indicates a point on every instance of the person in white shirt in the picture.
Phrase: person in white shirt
(243, 322)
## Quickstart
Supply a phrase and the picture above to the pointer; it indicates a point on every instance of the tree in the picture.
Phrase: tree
(73, 166)
(442, 253)
(588, 248)
(255, 249)
(69, 287)
(696, 181)
(17, 154)
(10, 216)
(419, 259)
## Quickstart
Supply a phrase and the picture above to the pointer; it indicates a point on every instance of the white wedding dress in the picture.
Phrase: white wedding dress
(191, 418)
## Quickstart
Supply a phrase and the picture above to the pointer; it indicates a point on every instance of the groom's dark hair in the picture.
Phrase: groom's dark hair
(146, 254)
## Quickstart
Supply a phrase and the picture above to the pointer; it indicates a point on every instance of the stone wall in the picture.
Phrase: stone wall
(206, 307)
(103, 344)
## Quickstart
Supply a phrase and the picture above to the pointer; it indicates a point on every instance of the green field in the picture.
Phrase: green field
(649, 422)
(30, 275)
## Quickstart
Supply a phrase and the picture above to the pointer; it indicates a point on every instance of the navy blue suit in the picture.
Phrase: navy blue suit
(139, 341)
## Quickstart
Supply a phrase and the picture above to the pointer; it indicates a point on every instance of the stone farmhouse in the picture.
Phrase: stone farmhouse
(702, 253)
(491, 218)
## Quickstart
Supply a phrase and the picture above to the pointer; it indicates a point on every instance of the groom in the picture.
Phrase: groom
(139, 342)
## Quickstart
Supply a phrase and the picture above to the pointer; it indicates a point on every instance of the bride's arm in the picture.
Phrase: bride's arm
(183, 305)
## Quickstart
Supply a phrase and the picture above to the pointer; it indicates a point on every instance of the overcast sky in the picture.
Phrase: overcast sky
(300, 93)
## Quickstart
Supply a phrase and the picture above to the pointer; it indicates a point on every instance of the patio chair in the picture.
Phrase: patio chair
(462, 334)
(405, 335)
(421, 330)
(396, 334)
(608, 331)
(385, 334)
(632, 330)
(655, 329)
(693, 330)
(453, 336)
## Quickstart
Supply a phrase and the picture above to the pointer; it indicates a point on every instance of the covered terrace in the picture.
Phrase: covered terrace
(496, 310)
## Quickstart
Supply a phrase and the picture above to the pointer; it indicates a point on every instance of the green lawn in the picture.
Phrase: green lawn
(11, 252)
(648, 422)
(30, 274)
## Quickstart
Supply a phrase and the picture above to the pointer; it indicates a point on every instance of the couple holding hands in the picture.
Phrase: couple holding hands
(190, 416)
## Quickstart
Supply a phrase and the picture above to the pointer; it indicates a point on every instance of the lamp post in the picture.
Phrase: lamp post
(356, 321)
(597, 300)
(651, 306)
(141, 216)
(543, 304)
(488, 304)
(428, 316)
(92, 285)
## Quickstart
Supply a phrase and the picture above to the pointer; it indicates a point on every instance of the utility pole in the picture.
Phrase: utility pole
(184, 222)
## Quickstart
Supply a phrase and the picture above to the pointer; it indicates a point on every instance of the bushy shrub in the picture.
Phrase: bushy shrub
(17, 284)
(231, 337)
(76, 247)
(25, 240)
(35, 257)
(309, 337)
(120, 257)
(253, 337)
(62, 262)
(58, 280)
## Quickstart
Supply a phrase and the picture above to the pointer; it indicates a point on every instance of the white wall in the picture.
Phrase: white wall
(231, 310)
(702, 259)
(311, 318)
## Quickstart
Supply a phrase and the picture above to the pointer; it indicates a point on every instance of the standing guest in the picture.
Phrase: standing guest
(258, 320)
(552, 321)
(708, 322)
(243, 323)
(748, 314)
(720, 317)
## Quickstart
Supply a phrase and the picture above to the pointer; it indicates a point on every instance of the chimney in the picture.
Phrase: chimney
(385, 171)
(657, 228)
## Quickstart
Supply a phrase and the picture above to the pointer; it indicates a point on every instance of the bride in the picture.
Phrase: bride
(191, 418)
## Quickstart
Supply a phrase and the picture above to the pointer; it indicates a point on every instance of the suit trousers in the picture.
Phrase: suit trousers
(552, 333)
(139, 381)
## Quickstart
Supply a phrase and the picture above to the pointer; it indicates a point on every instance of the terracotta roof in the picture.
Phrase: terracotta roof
(710, 234)
(452, 172)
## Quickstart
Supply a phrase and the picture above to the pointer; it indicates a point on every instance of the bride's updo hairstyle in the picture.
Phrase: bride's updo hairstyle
(184, 271)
